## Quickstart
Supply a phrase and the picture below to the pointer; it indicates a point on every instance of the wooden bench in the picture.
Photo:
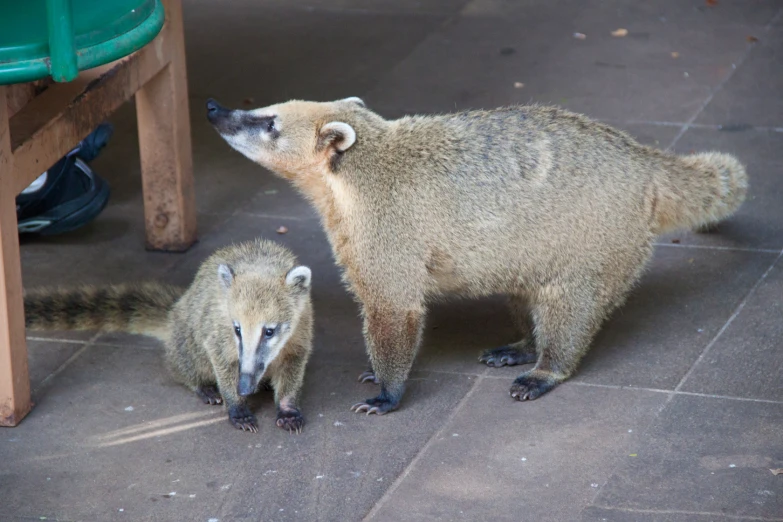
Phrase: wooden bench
(50, 124)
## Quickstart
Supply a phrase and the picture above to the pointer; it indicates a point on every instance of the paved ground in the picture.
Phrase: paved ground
(677, 413)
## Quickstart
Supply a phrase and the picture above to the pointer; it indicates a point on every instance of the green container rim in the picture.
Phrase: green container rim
(92, 56)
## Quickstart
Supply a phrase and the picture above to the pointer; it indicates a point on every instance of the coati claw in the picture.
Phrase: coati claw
(369, 376)
(242, 418)
(290, 420)
(209, 394)
(361, 407)
(528, 386)
(376, 406)
(506, 356)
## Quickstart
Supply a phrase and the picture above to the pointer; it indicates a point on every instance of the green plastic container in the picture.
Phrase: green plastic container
(59, 38)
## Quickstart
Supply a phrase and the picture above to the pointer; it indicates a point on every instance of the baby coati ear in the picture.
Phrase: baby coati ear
(337, 135)
(298, 278)
(225, 275)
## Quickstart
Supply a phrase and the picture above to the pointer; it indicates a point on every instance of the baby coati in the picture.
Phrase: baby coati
(555, 210)
(246, 317)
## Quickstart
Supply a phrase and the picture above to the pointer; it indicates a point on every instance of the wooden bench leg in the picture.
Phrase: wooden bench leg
(164, 141)
(14, 378)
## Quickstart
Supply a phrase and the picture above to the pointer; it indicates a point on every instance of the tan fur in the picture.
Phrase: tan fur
(549, 207)
(197, 324)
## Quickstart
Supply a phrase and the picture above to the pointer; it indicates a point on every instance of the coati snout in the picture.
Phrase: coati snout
(230, 122)
(248, 382)
(268, 135)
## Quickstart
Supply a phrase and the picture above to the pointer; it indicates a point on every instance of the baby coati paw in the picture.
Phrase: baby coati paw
(506, 356)
(379, 405)
(532, 385)
(209, 394)
(242, 418)
(290, 420)
(369, 376)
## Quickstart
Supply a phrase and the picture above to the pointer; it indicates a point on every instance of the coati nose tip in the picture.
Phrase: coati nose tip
(246, 385)
(215, 111)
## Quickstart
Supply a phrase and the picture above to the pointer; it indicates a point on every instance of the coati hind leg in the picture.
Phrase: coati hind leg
(393, 337)
(522, 351)
(566, 318)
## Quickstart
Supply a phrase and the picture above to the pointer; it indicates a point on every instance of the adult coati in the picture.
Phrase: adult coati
(555, 210)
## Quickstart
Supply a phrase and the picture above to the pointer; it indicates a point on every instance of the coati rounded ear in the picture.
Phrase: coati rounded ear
(338, 135)
(355, 99)
(299, 277)
(225, 275)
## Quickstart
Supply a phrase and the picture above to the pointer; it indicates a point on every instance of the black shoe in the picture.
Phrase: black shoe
(67, 196)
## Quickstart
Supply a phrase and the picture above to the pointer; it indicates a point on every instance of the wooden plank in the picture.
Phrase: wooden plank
(53, 123)
(14, 379)
(20, 94)
(164, 142)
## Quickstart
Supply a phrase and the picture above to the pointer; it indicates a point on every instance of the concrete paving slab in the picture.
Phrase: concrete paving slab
(752, 95)
(288, 53)
(705, 455)
(130, 439)
(499, 459)
(743, 362)
(503, 43)
(45, 357)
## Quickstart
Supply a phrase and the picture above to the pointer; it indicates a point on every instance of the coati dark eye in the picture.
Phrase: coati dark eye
(238, 330)
(270, 126)
(269, 332)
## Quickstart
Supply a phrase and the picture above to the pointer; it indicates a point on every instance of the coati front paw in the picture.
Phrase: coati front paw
(379, 405)
(369, 376)
(532, 385)
(506, 356)
(242, 418)
(209, 394)
(290, 420)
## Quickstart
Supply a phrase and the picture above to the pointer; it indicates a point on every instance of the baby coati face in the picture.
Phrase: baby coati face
(292, 137)
(264, 312)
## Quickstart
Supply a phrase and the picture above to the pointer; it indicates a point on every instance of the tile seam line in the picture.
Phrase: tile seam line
(615, 387)
(685, 512)
(46, 381)
(427, 445)
(672, 392)
(730, 320)
(749, 47)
